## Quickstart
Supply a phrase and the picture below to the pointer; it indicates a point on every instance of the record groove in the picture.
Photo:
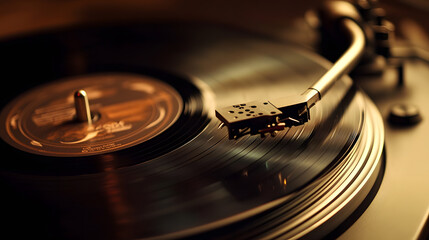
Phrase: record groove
(190, 179)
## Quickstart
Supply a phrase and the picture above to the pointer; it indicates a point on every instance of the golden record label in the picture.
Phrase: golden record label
(126, 109)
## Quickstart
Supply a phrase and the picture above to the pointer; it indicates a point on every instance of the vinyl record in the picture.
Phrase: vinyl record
(186, 177)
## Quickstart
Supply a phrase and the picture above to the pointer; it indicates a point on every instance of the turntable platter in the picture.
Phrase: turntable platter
(189, 178)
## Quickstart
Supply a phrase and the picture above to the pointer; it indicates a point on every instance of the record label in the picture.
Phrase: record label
(126, 110)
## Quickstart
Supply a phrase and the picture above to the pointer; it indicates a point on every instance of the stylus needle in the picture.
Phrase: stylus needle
(270, 116)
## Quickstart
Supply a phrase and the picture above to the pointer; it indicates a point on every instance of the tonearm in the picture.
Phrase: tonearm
(262, 117)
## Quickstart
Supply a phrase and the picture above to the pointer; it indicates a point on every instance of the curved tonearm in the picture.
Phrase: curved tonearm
(270, 116)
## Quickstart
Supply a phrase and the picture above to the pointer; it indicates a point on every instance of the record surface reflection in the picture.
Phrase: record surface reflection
(190, 178)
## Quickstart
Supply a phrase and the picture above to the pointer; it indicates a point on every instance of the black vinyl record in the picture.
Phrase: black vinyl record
(189, 178)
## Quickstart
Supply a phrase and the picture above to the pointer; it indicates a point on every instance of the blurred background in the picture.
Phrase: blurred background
(20, 17)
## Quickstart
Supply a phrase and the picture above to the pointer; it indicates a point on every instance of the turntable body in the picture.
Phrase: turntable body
(400, 208)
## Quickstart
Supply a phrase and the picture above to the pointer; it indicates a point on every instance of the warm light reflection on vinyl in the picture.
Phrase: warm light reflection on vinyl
(182, 177)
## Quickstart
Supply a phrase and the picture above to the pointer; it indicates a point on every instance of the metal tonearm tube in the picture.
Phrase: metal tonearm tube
(259, 117)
